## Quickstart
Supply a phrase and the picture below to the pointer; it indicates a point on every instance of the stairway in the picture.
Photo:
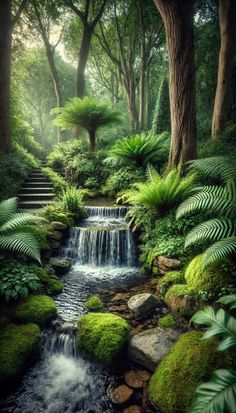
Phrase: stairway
(37, 191)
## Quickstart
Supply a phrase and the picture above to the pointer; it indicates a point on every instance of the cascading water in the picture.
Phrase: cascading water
(103, 255)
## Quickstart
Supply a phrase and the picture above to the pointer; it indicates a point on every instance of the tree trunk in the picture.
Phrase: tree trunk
(5, 74)
(178, 20)
(227, 20)
(83, 58)
(92, 141)
(148, 100)
(142, 82)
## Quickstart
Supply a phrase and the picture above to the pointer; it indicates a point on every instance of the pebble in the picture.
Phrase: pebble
(121, 394)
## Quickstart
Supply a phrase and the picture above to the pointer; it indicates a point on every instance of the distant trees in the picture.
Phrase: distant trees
(161, 116)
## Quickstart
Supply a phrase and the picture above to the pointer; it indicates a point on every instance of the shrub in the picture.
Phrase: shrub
(50, 283)
(56, 159)
(94, 303)
(160, 194)
(139, 150)
(57, 181)
(38, 309)
(190, 361)
(121, 180)
(168, 321)
(71, 200)
(55, 212)
(161, 116)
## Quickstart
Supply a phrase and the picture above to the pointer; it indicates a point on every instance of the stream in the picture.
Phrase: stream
(103, 254)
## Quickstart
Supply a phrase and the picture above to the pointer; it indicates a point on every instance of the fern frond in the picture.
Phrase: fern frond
(8, 208)
(19, 220)
(213, 230)
(219, 167)
(228, 300)
(219, 250)
(22, 243)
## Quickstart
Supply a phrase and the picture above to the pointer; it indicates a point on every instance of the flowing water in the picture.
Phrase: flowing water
(102, 251)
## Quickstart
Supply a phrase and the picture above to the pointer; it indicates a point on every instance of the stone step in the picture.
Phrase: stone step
(33, 204)
(36, 175)
(38, 184)
(35, 197)
(42, 179)
(36, 190)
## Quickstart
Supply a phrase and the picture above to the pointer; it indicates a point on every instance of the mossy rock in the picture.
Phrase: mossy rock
(51, 283)
(38, 309)
(103, 336)
(94, 303)
(168, 321)
(190, 362)
(19, 347)
(211, 279)
(180, 297)
(173, 277)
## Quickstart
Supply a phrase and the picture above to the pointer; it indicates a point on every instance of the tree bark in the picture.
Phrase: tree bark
(83, 58)
(5, 73)
(227, 21)
(178, 21)
(92, 141)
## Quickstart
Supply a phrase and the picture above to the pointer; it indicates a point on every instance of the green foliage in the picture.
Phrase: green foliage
(56, 159)
(50, 283)
(94, 303)
(19, 346)
(158, 193)
(15, 230)
(219, 200)
(168, 321)
(103, 336)
(178, 291)
(17, 280)
(55, 212)
(190, 361)
(38, 309)
(170, 278)
(57, 181)
(219, 394)
(71, 200)
(161, 116)
(139, 150)
(121, 180)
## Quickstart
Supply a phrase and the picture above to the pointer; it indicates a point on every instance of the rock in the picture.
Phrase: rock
(171, 263)
(169, 279)
(120, 297)
(58, 225)
(38, 309)
(168, 321)
(121, 394)
(69, 327)
(55, 245)
(149, 347)
(55, 235)
(50, 283)
(143, 304)
(136, 379)
(19, 347)
(180, 299)
(103, 336)
(132, 409)
(94, 303)
(119, 308)
(60, 265)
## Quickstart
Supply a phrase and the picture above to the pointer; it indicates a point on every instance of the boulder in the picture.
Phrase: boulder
(103, 336)
(55, 245)
(169, 279)
(137, 378)
(169, 263)
(121, 394)
(38, 309)
(94, 303)
(143, 304)
(56, 225)
(180, 298)
(60, 265)
(132, 409)
(55, 235)
(149, 347)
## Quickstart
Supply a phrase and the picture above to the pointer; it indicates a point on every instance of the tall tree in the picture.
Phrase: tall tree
(89, 16)
(178, 21)
(7, 23)
(227, 21)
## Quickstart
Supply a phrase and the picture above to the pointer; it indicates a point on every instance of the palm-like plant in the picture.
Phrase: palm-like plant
(159, 193)
(139, 149)
(219, 200)
(71, 199)
(87, 113)
(219, 394)
(15, 230)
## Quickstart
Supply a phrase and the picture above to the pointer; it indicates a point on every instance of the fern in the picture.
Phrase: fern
(214, 230)
(217, 167)
(219, 250)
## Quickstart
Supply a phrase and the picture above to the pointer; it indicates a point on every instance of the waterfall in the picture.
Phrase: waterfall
(106, 212)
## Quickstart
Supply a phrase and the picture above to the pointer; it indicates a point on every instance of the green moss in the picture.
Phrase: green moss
(103, 336)
(190, 362)
(38, 309)
(51, 283)
(173, 277)
(94, 303)
(212, 279)
(178, 291)
(177, 300)
(19, 346)
(168, 321)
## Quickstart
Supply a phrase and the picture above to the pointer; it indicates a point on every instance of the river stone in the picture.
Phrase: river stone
(58, 225)
(55, 245)
(55, 235)
(137, 378)
(60, 265)
(132, 409)
(169, 263)
(149, 347)
(121, 394)
(143, 304)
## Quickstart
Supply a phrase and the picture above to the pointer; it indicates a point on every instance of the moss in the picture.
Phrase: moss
(38, 309)
(94, 303)
(190, 362)
(173, 277)
(178, 291)
(103, 336)
(51, 283)
(19, 346)
(212, 279)
(181, 299)
(168, 321)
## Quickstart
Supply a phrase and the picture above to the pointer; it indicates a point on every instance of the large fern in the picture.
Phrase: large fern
(219, 394)
(15, 230)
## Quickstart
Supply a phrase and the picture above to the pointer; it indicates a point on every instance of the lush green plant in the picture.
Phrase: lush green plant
(140, 150)
(220, 201)
(219, 394)
(160, 193)
(56, 159)
(58, 182)
(71, 200)
(17, 280)
(121, 180)
(161, 116)
(15, 230)
(87, 113)
(55, 212)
